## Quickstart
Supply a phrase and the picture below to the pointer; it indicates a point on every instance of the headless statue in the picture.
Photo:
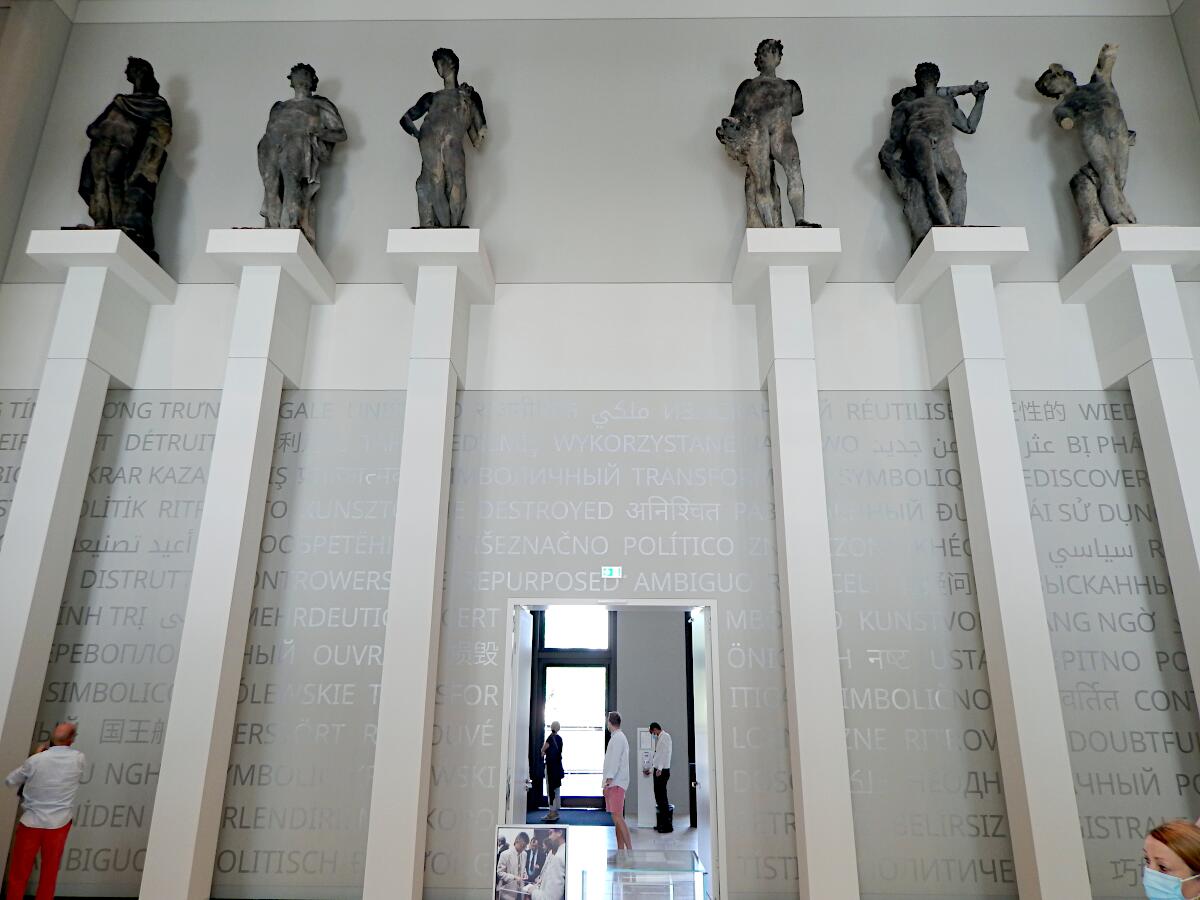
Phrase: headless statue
(451, 114)
(300, 136)
(919, 156)
(758, 133)
(1093, 111)
(119, 180)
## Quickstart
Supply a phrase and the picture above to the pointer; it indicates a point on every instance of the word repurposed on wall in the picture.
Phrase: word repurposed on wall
(1123, 677)
(112, 664)
(298, 793)
(548, 487)
(929, 810)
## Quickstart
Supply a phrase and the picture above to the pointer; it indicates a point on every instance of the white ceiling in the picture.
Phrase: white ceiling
(101, 11)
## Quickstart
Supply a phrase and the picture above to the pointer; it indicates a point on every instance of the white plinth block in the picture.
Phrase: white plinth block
(451, 271)
(281, 278)
(97, 340)
(1128, 285)
(779, 271)
(950, 275)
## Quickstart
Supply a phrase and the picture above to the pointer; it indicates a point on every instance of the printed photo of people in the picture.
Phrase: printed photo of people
(531, 863)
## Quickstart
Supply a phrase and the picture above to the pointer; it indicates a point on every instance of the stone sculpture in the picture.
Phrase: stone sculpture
(919, 156)
(1093, 111)
(119, 180)
(757, 133)
(454, 112)
(300, 136)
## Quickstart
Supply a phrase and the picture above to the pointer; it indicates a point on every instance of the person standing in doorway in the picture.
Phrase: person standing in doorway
(552, 750)
(616, 779)
(48, 782)
(662, 774)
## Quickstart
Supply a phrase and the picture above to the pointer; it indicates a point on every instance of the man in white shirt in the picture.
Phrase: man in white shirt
(552, 884)
(662, 774)
(48, 781)
(510, 869)
(616, 779)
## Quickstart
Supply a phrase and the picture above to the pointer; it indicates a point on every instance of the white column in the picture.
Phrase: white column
(281, 277)
(452, 271)
(780, 270)
(97, 339)
(1128, 285)
(950, 276)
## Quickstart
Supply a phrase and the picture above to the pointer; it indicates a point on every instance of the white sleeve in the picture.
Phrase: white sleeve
(20, 775)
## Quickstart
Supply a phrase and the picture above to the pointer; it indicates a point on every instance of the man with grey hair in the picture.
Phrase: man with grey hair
(552, 751)
(48, 782)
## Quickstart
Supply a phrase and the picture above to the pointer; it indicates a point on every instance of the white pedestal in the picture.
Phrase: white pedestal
(780, 271)
(1128, 285)
(950, 275)
(452, 271)
(281, 277)
(97, 339)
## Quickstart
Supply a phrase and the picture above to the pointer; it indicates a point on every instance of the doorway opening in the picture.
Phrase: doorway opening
(571, 661)
(573, 684)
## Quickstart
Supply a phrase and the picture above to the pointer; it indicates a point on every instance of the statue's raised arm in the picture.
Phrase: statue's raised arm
(1093, 112)
(919, 156)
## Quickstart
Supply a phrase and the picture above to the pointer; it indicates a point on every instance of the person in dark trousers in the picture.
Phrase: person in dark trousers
(552, 750)
(662, 774)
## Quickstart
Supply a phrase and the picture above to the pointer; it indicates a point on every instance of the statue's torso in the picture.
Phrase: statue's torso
(294, 119)
(930, 117)
(1097, 106)
(770, 99)
(115, 127)
(449, 113)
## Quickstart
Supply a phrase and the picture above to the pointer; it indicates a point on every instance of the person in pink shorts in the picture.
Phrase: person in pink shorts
(616, 779)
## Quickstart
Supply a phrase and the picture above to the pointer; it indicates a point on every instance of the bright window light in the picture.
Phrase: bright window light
(576, 628)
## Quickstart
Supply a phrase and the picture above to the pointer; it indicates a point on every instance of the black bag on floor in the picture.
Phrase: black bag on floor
(666, 819)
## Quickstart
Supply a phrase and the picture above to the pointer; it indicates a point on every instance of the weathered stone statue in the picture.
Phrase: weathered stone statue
(1093, 111)
(454, 112)
(120, 173)
(300, 136)
(758, 133)
(919, 154)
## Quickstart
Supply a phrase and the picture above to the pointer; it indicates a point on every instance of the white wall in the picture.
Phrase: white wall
(1187, 27)
(581, 337)
(33, 38)
(602, 165)
(652, 687)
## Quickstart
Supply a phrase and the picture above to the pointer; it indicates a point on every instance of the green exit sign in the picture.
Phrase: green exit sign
(610, 572)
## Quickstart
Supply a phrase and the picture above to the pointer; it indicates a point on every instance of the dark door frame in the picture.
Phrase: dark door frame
(689, 677)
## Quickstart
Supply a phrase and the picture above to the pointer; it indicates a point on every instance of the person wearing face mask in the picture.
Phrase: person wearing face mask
(1171, 854)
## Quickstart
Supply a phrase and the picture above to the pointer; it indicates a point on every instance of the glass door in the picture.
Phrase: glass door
(577, 697)
(574, 665)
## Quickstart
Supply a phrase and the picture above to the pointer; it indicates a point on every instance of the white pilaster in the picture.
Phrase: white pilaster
(97, 339)
(281, 277)
(451, 271)
(950, 276)
(780, 271)
(1128, 285)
